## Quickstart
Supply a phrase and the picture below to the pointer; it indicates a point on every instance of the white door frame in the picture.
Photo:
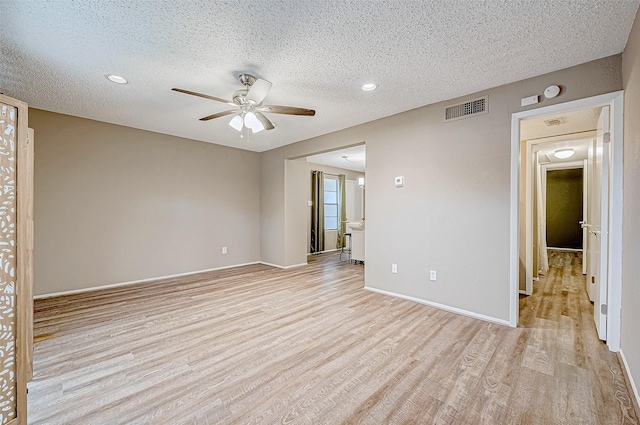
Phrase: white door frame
(614, 270)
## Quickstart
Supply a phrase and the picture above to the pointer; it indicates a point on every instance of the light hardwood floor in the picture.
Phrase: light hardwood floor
(259, 345)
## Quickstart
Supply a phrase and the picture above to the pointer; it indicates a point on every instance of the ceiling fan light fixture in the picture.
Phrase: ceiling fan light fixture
(236, 123)
(369, 86)
(251, 121)
(563, 153)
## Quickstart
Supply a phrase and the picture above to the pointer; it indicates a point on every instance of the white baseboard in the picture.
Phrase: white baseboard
(565, 249)
(133, 282)
(323, 252)
(523, 292)
(441, 306)
(282, 267)
(629, 376)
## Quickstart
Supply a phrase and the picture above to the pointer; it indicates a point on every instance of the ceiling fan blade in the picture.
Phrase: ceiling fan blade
(206, 96)
(219, 114)
(268, 125)
(259, 90)
(288, 110)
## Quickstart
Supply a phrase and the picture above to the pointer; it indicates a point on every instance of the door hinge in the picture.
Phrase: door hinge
(606, 137)
(603, 309)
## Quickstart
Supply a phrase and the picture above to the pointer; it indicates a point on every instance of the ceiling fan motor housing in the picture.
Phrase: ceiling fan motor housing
(247, 80)
(240, 97)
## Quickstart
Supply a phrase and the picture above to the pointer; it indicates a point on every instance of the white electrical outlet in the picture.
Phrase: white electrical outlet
(394, 268)
(432, 275)
(224, 249)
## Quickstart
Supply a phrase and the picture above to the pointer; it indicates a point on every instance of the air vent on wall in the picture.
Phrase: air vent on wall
(555, 121)
(467, 109)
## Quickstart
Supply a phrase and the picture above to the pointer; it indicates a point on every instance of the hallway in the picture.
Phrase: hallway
(578, 375)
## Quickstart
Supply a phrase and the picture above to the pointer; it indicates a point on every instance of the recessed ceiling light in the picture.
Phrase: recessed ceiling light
(563, 153)
(116, 79)
(369, 86)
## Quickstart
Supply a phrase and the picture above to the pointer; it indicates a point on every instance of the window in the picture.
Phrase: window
(330, 204)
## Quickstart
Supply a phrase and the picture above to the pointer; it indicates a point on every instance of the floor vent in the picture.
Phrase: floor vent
(464, 110)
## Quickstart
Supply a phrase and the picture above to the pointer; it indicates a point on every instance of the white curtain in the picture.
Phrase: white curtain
(541, 231)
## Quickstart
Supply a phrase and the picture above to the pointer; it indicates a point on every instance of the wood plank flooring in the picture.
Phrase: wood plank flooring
(259, 345)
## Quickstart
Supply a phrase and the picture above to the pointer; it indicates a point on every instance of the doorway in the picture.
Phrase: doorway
(609, 239)
(564, 208)
(299, 199)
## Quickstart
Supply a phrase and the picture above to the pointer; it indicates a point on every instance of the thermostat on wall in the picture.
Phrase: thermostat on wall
(400, 181)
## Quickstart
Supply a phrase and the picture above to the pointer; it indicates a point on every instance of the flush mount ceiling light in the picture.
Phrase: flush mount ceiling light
(369, 86)
(563, 153)
(116, 79)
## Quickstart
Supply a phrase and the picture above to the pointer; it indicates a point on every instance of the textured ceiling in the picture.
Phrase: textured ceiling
(575, 132)
(355, 158)
(316, 53)
(572, 123)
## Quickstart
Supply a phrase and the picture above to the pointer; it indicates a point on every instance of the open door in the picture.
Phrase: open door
(599, 223)
(586, 225)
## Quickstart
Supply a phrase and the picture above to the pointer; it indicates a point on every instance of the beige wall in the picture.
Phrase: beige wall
(453, 213)
(631, 223)
(115, 204)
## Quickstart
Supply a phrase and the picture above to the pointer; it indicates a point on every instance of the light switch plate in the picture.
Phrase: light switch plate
(399, 181)
(531, 100)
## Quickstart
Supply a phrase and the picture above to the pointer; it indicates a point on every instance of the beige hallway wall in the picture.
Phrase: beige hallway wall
(452, 215)
(115, 204)
(630, 341)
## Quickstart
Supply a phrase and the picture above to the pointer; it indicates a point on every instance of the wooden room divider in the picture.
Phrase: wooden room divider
(16, 260)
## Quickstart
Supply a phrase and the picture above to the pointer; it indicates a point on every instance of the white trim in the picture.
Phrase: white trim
(565, 249)
(133, 282)
(322, 252)
(283, 267)
(331, 250)
(514, 239)
(441, 306)
(553, 166)
(530, 233)
(629, 376)
(523, 292)
(573, 137)
(614, 295)
(616, 101)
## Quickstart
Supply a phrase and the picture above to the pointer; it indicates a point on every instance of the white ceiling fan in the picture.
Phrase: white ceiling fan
(249, 111)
